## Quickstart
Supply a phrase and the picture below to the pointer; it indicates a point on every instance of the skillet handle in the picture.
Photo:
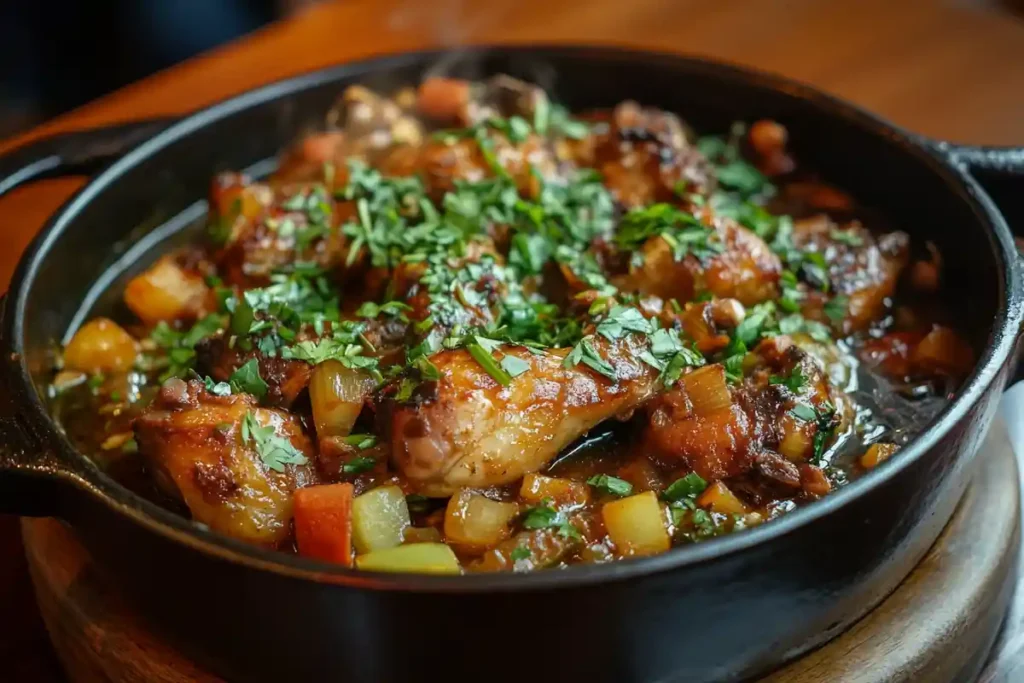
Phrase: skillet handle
(33, 481)
(78, 153)
(1000, 170)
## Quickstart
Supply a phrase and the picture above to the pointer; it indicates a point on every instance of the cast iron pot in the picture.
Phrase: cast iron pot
(727, 609)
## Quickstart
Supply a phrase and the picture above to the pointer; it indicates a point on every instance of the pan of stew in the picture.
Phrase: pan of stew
(666, 368)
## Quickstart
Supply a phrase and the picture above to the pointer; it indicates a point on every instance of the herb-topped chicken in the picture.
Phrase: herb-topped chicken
(463, 330)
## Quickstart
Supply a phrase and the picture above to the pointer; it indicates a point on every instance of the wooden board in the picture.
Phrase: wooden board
(936, 628)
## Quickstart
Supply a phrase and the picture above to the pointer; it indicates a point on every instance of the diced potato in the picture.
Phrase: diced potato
(636, 525)
(718, 498)
(537, 487)
(100, 346)
(877, 453)
(420, 558)
(165, 292)
(477, 522)
(379, 519)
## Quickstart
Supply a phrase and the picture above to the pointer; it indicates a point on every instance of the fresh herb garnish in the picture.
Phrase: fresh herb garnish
(246, 379)
(520, 552)
(611, 485)
(274, 450)
(689, 486)
(359, 464)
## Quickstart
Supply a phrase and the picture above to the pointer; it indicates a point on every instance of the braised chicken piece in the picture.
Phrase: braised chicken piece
(469, 430)
(463, 330)
(784, 405)
(726, 260)
(234, 464)
(645, 157)
(261, 229)
(862, 268)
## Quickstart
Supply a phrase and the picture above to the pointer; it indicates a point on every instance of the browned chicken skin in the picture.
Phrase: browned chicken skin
(194, 441)
(729, 440)
(473, 432)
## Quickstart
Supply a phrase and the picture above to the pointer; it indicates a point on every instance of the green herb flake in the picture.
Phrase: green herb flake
(359, 465)
(520, 552)
(689, 486)
(540, 517)
(804, 412)
(246, 379)
(274, 450)
(360, 441)
(514, 365)
(611, 485)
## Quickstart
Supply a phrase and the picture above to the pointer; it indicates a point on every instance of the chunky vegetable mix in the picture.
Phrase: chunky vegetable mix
(465, 331)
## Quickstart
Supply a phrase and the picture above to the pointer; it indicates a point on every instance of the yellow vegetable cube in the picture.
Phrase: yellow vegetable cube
(636, 525)
(421, 558)
(379, 519)
(477, 522)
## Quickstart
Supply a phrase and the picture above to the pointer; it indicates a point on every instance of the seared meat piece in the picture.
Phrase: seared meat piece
(470, 431)
(644, 156)
(861, 267)
(746, 269)
(443, 162)
(285, 378)
(727, 438)
(204, 449)
(261, 229)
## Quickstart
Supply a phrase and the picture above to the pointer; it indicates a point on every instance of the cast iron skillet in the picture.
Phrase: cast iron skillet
(722, 610)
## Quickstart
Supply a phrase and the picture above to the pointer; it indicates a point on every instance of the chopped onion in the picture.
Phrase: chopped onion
(476, 522)
(337, 394)
(707, 389)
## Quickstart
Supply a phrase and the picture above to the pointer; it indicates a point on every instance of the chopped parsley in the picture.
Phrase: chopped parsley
(246, 379)
(611, 485)
(520, 552)
(274, 450)
(690, 486)
(795, 381)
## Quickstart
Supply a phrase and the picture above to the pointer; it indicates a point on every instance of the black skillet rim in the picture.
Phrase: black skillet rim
(84, 475)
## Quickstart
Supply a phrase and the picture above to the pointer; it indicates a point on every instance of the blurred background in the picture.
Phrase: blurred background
(58, 54)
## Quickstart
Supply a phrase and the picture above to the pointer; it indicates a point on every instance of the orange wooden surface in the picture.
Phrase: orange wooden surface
(947, 68)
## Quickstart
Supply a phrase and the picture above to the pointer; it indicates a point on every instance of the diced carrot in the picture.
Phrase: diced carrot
(323, 522)
(876, 454)
(443, 99)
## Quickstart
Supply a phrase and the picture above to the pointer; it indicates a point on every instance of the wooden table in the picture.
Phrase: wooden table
(951, 69)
